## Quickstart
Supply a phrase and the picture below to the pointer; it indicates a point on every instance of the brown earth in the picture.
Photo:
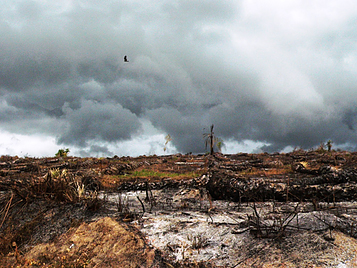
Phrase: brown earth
(285, 210)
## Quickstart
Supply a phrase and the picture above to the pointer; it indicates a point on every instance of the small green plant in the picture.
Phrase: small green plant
(220, 144)
(62, 152)
(57, 173)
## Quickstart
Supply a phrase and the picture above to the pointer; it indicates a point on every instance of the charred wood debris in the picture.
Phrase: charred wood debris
(322, 179)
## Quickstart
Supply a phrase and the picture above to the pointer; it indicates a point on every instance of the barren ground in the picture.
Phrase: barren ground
(245, 210)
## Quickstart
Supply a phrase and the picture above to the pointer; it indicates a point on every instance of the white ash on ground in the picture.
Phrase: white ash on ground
(185, 225)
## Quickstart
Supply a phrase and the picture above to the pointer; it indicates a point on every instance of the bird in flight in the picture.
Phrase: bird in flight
(125, 59)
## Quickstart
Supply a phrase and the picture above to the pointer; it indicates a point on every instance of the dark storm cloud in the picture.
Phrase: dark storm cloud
(95, 150)
(96, 121)
(185, 129)
(350, 118)
(282, 73)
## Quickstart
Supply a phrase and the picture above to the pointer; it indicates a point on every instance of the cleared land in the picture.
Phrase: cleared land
(243, 210)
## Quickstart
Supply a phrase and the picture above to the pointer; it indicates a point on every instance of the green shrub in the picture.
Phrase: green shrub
(62, 152)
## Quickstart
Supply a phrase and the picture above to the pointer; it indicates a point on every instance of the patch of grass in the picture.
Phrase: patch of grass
(110, 181)
(155, 174)
(145, 173)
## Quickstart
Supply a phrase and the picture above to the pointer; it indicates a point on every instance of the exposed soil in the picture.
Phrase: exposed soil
(243, 210)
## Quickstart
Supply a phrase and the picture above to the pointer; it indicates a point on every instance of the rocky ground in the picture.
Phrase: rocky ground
(244, 210)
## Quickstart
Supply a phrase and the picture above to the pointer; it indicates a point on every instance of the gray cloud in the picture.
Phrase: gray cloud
(95, 150)
(279, 73)
(97, 121)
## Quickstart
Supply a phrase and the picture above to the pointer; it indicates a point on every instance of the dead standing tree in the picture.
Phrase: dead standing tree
(212, 140)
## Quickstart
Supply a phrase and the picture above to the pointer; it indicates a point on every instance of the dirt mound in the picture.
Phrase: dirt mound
(103, 243)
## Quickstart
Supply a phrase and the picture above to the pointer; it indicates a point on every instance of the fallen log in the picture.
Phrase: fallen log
(330, 187)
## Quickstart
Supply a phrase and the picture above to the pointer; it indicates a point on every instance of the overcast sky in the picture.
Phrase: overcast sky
(270, 75)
